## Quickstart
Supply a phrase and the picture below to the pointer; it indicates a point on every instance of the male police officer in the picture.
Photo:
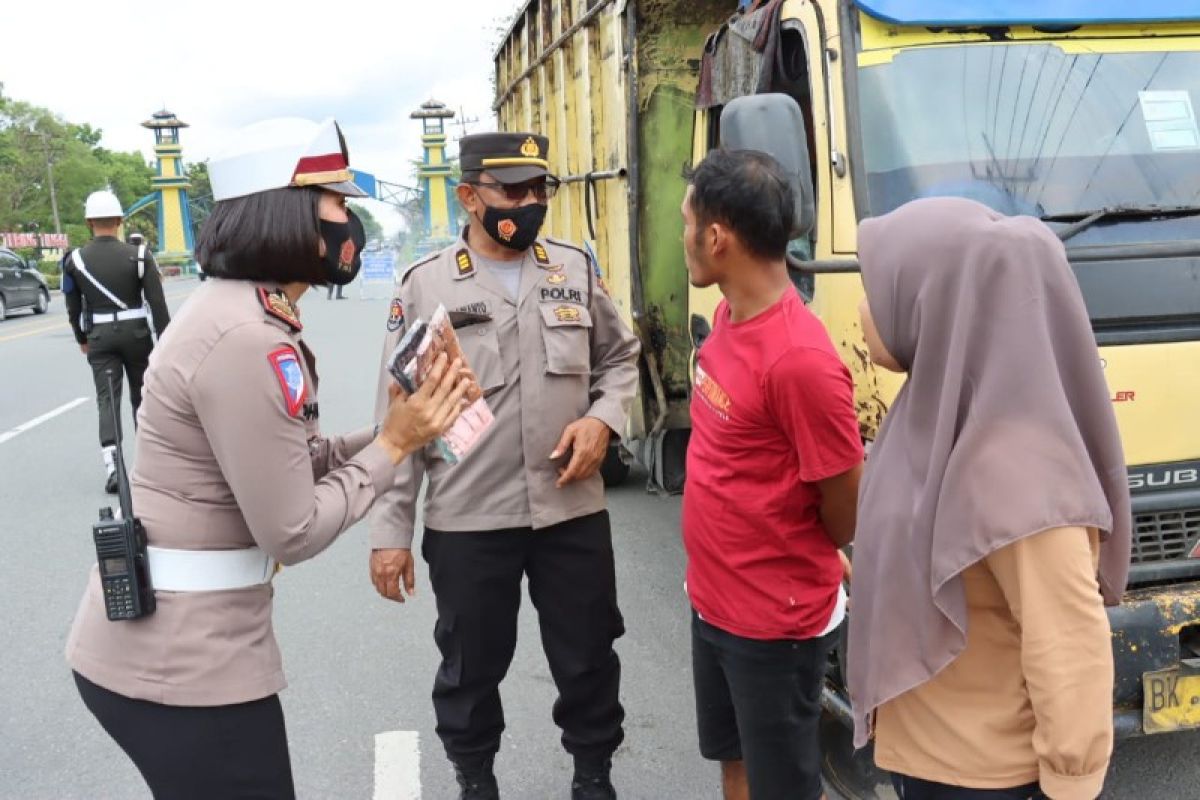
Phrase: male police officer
(559, 370)
(104, 282)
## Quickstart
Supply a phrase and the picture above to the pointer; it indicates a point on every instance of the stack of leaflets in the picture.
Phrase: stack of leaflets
(411, 362)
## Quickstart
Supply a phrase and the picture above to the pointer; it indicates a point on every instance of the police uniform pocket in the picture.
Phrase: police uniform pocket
(482, 350)
(565, 333)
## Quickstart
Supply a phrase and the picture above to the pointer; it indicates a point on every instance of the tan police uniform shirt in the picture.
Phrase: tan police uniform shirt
(554, 354)
(1030, 698)
(229, 455)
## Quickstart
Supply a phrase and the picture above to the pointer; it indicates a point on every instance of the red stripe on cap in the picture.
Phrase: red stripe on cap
(329, 163)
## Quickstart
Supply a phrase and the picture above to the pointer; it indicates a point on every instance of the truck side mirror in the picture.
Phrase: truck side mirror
(774, 124)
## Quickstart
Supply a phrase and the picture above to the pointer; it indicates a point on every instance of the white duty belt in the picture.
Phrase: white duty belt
(208, 570)
(119, 316)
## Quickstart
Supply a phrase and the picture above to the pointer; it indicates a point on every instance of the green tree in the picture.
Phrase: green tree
(373, 228)
(200, 196)
(49, 166)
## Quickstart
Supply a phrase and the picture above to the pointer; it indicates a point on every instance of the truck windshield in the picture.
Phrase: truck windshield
(1040, 129)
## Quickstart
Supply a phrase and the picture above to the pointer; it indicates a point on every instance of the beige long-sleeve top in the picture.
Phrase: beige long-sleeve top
(229, 455)
(1030, 698)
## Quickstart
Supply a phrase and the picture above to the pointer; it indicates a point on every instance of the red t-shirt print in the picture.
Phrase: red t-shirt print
(772, 413)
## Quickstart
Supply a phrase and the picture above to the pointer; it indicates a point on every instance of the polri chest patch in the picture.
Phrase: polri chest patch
(286, 364)
(562, 294)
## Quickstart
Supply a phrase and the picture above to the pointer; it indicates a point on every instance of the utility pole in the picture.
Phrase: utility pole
(50, 178)
(462, 122)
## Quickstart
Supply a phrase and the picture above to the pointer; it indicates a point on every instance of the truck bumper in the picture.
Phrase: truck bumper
(1152, 630)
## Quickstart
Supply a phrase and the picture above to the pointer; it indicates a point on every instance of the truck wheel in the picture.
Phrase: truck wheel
(614, 470)
(850, 775)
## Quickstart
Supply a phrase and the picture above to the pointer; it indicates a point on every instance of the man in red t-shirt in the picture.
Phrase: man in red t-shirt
(772, 484)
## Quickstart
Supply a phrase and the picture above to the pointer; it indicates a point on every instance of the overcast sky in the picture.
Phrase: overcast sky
(220, 65)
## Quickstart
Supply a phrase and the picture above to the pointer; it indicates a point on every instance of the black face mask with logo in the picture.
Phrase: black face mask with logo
(514, 228)
(343, 249)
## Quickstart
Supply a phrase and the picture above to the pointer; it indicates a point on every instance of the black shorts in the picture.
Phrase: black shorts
(759, 702)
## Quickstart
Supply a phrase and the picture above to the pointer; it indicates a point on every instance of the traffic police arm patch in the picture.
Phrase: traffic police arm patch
(286, 364)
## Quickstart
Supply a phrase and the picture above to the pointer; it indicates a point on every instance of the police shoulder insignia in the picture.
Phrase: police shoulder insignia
(287, 368)
(277, 305)
(411, 268)
(567, 245)
(567, 314)
(555, 278)
(540, 255)
(395, 315)
(464, 263)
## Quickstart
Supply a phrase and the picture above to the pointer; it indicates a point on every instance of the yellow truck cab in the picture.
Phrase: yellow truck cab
(1083, 114)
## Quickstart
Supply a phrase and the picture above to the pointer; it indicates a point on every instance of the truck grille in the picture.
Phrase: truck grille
(1165, 535)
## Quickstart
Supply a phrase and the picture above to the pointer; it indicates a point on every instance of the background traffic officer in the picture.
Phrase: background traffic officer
(559, 370)
(104, 283)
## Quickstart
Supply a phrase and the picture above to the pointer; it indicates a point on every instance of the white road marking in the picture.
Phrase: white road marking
(397, 765)
(33, 423)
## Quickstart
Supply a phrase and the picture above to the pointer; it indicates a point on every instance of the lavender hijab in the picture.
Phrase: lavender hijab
(1004, 429)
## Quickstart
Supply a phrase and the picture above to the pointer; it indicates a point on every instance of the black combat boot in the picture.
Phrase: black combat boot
(592, 781)
(475, 779)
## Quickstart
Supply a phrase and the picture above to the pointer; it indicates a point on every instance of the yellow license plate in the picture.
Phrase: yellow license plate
(1172, 700)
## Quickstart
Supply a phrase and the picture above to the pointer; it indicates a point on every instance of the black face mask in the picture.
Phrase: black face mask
(514, 228)
(343, 249)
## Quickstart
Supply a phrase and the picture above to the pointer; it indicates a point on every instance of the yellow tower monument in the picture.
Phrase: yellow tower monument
(434, 172)
(175, 239)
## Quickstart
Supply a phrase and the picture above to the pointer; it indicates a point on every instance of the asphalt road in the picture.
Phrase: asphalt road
(361, 669)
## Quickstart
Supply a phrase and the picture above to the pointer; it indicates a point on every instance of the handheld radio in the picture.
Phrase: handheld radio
(121, 546)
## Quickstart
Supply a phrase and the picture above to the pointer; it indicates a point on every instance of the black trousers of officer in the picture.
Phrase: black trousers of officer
(122, 348)
(199, 752)
(572, 583)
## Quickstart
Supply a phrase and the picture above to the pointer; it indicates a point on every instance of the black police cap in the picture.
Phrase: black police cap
(508, 157)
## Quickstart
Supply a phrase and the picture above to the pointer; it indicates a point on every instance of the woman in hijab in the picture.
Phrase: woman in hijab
(994, 519)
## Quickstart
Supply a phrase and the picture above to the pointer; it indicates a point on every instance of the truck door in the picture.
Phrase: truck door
(796, 69)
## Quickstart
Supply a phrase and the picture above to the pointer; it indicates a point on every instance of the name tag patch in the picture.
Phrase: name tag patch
(287, 368)
(474, 308)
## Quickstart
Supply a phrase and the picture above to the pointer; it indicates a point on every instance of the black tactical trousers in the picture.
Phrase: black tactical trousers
(477, 580)
(122, 348)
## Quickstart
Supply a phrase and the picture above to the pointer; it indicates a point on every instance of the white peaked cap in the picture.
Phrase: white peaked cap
(277, 153)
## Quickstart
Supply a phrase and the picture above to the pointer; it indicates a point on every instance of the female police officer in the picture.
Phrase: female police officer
(233, 476)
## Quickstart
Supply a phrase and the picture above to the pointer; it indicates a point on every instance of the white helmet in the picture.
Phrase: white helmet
(102, 205)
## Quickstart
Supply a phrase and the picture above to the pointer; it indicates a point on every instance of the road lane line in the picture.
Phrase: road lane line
(398, 766)
(33, 423)
(33, 331)
(66, 326)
